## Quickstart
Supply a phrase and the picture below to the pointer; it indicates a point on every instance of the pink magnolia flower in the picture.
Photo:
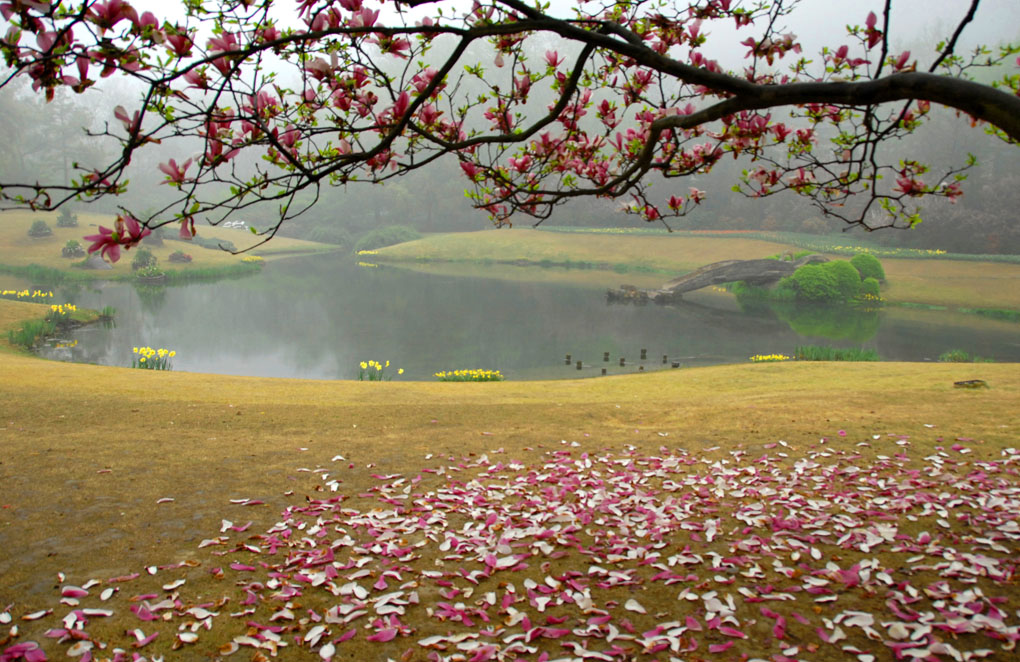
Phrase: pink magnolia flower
(470, 169)
(187, 228)
(874, 34)
(270, 33)
(126, 232)
(909, 185)
(900, 62)
(174, 173)
(179, 43)
(226, 42)
(132, 123)
(553, 58)
(108, 14)
(364, 18)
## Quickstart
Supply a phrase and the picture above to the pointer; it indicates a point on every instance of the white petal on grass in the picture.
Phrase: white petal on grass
(635, 606)
(36, 615)
(79, 648)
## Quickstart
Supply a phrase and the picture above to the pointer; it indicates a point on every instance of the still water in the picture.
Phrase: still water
(319, 317)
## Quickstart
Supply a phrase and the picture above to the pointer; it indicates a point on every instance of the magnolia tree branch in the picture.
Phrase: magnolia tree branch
(351, 92)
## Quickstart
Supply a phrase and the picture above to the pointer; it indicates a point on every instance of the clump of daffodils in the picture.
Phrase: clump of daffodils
(148, 358)
(470, 376)
(373, 371)
(769, 358)
(61, 312)
(25, 294)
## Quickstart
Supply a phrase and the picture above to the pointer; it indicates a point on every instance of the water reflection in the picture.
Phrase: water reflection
(319, 317)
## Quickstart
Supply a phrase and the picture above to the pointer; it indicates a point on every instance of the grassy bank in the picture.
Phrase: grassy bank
(109, 471)
(40, 258)
(613, 259)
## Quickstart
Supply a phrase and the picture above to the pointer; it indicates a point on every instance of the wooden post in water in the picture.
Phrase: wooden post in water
(578, 365)
(567, 360)
(644, 354)
(603, 372)
(665, 359)
(623, 361)
(605, 356)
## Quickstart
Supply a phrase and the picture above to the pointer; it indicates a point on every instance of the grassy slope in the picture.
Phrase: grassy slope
(87, 451)
(668, 254)
(18, 249)
(931, 281)
(204, 439)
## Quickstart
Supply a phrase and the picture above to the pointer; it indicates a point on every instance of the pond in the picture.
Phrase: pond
(319, 317)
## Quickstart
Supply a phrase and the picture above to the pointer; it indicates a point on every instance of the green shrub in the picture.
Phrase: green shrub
(143, 258)
(386, 236)
(954, 356)
(820, 353)
(39, 229)
(151, 271)
(848, 280)
(869, 287)
(813, 282)
(66, 219)
(31, 332)
(994, 313)
(868, 266)
(218, 244)
(72, 249)
(330, 234)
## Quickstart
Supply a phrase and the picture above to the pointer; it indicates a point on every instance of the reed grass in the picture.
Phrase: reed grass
(826, 353)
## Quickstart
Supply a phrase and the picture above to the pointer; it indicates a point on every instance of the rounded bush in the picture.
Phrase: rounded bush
(330, 234)
(868, 266)
(72, 249)
(143, 258)
(814, 282)
(386, 236)
(39, 229)
(848, 280)
(869, 287)
(66, 219)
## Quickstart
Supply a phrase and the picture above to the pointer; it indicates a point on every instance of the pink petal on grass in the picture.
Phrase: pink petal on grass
(732, 632)
(346, 635)
(145, 641)
(142, 612)
(386, 634)
(719, 648)
(28, 651)
(73, 592)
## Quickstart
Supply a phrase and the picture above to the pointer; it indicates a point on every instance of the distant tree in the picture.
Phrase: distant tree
(352, 90)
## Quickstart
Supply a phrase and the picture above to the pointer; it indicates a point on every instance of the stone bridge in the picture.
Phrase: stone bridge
(761, 273)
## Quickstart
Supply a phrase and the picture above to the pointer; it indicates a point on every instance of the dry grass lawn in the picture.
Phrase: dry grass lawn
(87, 453)
(18, 249)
